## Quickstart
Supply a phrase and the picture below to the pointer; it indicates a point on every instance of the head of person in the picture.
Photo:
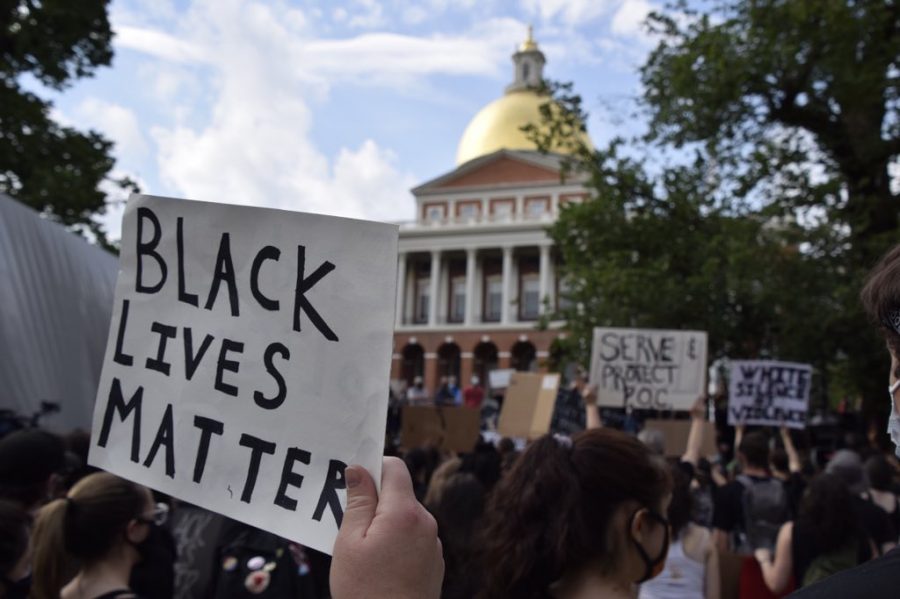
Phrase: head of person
(879, 473)
(778, 460)
(847, 467)
(29, 462)
(654, 439)
(881, 301)
(451, 380)
(826, 513)
(102, 517)
(418, 382)
(753, 452)
(15, 550)
(576, 510)
(475, 381)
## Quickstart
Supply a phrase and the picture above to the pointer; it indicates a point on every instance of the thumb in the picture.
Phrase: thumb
(362, 499)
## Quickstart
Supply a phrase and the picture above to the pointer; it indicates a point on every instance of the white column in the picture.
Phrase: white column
(470, 287)
(544, 277)
(435, 285)
(401, 287)
(507, 283)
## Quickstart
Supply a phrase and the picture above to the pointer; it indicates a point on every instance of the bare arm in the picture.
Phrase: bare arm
(738, 436)
(720, 540)
(794, 464)
(713, 580)
(777, 571)
(591, 411)
(695, 435)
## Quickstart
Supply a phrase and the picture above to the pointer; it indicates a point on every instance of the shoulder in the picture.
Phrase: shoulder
(872, 580)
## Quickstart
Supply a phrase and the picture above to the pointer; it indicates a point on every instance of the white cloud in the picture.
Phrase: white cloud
(159, 44)
(629, 18)
(367, 14)
(255, 146)
(116, 122)
(570, 12)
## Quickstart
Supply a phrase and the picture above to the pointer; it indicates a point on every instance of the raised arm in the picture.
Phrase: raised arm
(591, 411)
(695, 435)
(794, 464)
(777, 569)
(738, 437)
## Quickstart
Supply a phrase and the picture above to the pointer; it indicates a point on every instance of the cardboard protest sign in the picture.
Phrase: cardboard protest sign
(248, 358)
(528, 407)
(648, 369)
(675, 433)
(449, 428)
(769, 393)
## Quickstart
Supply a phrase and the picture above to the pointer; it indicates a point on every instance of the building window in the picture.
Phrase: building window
(530, 294)
(468, 211)
(502, 209)
(435, 213)
(423, 299)
(493, 297)
(536, 208)
(457, 299)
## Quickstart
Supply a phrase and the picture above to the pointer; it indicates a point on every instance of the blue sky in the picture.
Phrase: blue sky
(334, 107)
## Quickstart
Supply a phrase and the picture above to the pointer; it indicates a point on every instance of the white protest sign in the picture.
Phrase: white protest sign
(648, 369)
(248, 360)
(769, 393)
(499, 378)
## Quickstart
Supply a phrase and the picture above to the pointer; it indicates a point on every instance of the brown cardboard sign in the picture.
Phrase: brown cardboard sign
(528, 406)
(448, 428)
(675, 433)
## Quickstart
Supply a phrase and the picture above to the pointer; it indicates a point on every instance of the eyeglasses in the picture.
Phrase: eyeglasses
(159, 515)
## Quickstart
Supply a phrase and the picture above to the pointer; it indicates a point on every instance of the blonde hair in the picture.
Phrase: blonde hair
(81, 529)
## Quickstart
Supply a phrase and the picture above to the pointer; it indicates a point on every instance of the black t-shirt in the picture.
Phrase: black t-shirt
(728, 509)
(794, 487)
(875, 521)
(876, 579)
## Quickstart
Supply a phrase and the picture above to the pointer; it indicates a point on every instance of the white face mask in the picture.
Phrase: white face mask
(894, 421)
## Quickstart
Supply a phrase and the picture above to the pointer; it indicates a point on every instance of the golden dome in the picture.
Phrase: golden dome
(499, 126)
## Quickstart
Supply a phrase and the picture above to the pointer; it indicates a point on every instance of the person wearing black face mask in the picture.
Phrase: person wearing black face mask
(86, 544)
(577, 518)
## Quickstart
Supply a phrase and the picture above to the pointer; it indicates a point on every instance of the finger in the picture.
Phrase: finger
(362, 499)
(396, 484)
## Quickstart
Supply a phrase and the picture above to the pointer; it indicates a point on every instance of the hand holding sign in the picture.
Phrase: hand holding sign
(387, 547)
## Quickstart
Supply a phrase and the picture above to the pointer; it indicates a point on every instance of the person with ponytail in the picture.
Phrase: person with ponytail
(86, 543)
(577, 518)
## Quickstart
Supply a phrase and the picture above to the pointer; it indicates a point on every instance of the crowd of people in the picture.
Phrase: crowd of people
(599, 513)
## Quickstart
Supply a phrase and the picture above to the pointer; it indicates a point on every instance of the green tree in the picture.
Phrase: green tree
(55, 169)
(797, 103)
(790, 115)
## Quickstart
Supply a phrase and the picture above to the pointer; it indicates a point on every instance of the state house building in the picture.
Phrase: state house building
(477, 269)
